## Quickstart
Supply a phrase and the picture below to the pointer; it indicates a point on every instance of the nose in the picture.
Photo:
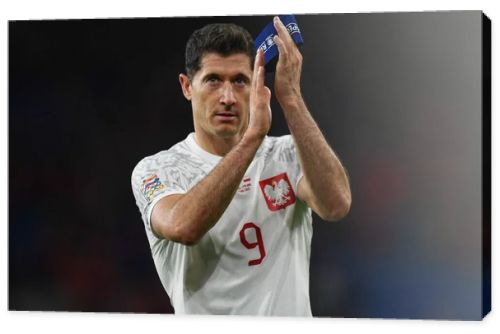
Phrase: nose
(227, 96)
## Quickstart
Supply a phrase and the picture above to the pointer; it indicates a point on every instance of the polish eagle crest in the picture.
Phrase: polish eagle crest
(277, 191)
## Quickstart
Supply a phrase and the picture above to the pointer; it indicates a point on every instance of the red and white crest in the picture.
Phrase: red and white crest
(277, 191)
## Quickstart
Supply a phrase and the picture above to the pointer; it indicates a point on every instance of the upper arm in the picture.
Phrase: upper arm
(157, 186)
(331, 208)
(305, 193)
(161, 224)
(328, 210)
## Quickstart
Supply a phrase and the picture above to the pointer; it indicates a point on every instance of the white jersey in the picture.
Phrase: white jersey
(255, 259)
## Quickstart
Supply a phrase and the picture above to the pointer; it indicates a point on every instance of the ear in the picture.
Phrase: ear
(185, 85)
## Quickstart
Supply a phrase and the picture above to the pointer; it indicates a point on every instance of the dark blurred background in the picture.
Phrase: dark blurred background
(398, 96)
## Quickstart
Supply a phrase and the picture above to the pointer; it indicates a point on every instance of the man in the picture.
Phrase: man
(227, 210)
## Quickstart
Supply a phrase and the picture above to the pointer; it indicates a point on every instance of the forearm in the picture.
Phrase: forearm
(200, 208)
(325, 186)
(322, 169)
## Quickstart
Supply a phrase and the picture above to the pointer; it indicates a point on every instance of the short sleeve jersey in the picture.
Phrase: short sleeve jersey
(255, 259)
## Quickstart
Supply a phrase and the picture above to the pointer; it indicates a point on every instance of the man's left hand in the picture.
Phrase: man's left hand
(288, 68)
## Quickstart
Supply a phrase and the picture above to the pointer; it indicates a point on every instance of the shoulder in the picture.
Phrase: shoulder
(280, 148)
(178, 157)
(157, 160)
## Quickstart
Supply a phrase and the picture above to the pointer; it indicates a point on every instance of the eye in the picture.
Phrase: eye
(212, 81)
(240, 82)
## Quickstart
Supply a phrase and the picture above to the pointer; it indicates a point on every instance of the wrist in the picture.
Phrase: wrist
(253, 137)
(292, 100)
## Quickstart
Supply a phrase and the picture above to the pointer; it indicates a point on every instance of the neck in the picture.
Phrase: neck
(216, 145)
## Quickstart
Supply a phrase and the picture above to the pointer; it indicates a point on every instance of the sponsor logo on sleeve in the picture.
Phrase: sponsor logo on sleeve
(277, 192)
(151, 186)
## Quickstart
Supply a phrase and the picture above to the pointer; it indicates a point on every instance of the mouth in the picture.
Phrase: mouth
(226, 116)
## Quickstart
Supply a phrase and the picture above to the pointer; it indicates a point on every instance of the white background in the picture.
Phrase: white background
(52, 322)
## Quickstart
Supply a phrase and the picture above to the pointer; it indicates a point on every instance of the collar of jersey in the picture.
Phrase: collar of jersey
(207, 156)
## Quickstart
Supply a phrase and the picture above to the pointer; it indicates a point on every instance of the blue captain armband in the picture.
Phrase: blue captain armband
(265, 40)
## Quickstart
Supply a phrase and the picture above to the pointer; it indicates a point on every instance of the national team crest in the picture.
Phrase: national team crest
(277, 192)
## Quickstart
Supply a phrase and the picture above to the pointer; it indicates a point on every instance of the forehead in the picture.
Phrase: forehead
(230, 65)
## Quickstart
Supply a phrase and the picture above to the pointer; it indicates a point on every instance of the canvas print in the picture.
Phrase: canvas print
(297, 165)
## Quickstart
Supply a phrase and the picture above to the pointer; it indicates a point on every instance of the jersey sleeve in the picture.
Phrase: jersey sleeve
(151, 182)
(287, 152)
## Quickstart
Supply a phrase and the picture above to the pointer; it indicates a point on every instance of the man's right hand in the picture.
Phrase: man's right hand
(260, 100)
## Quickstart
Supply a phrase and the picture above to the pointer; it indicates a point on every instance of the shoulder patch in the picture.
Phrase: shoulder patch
(151, 186)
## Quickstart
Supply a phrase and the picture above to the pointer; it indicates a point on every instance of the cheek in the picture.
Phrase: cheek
(245, 102)
(200, 103)
(206, 100)
(200, 109)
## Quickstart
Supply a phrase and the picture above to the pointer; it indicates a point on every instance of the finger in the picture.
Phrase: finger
(282, 50)
(261, 58)
(255, 69)
(256, 65)
(282, 31)
(256, 61)
(260, 77)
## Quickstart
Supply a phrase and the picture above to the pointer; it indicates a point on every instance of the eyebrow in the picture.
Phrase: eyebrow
(209, 76)
(240, 76)
(243, 77)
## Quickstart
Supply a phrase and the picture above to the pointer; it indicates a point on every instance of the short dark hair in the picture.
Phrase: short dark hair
(224, 39)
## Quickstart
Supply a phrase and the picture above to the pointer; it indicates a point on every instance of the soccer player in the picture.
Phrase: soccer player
(227, 211)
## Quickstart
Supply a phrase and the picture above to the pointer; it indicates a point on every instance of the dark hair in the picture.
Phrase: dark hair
(223, 38)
